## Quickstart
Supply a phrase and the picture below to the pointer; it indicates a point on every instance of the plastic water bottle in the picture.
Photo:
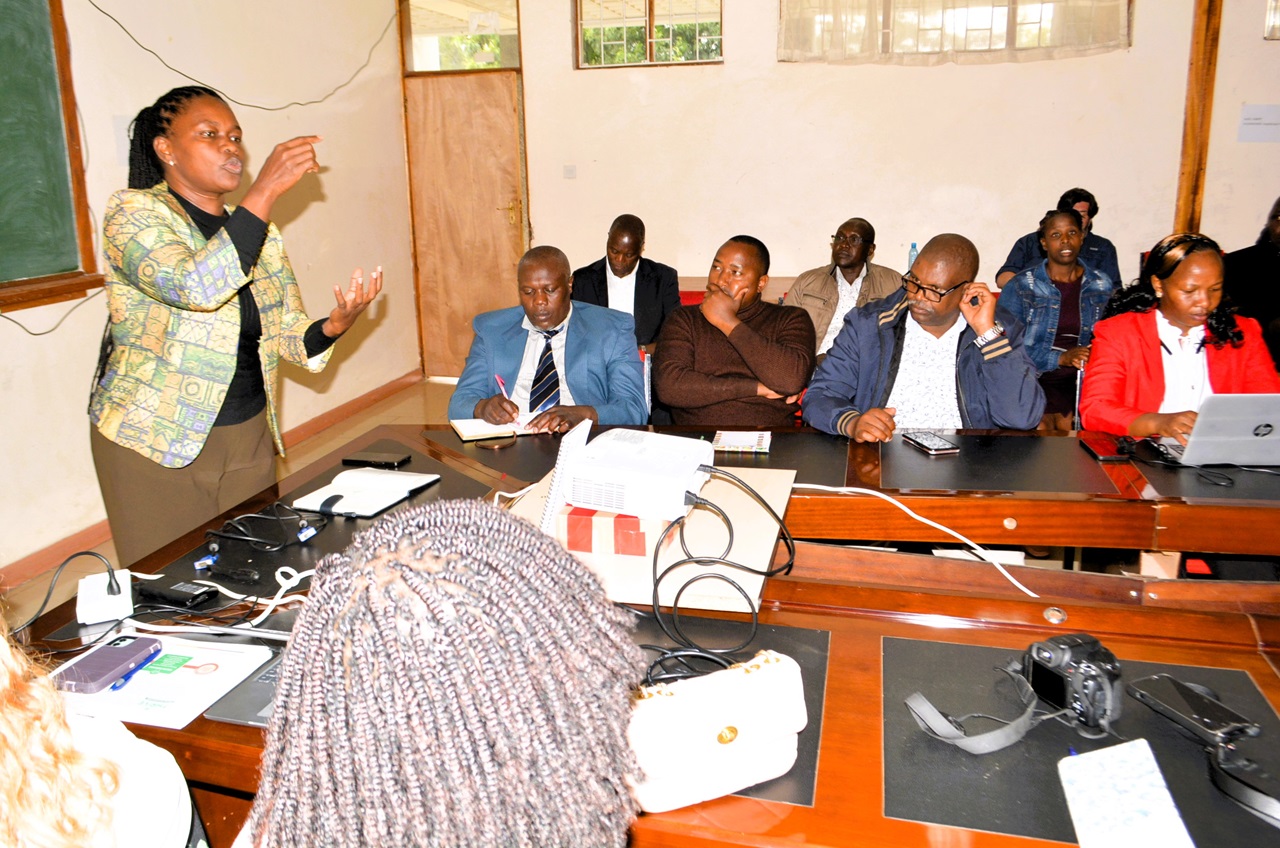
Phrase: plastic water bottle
(911, 256)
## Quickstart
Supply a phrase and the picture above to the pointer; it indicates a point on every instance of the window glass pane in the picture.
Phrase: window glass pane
(619, 32)
(447, 35)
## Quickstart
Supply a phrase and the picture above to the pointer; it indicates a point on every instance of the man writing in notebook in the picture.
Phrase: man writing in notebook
(551, 360)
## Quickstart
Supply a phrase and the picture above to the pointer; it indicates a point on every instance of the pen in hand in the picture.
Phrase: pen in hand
(502, 386)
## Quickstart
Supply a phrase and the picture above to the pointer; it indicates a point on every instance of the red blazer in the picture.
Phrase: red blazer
(1125, 374)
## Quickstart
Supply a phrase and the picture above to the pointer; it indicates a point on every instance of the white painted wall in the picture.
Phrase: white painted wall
(1242, 180)
(354, 213)
(786, 152)
(781, 151)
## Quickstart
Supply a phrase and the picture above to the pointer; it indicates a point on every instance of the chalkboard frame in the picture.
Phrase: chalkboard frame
(37, 291)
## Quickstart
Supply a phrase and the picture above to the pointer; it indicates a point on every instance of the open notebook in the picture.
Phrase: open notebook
(364, 492)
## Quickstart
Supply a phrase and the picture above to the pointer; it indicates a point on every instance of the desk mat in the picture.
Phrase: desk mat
(995, 464)
(1017, 791)
(816, 457)
(335, 536)
(1185, 483)
(807, 647)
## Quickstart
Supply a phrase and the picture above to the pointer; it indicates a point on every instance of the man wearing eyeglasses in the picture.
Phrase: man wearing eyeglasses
(851, 280)
(931, 356)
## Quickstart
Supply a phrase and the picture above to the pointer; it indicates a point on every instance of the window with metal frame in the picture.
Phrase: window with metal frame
(612, 33)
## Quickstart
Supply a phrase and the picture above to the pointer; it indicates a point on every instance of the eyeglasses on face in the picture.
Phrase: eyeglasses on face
(853, 240)
(913, 285)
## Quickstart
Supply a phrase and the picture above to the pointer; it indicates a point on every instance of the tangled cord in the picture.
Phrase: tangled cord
(692, 659)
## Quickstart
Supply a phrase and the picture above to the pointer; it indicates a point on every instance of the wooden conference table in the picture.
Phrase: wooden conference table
(221, 760)
(1031, 501)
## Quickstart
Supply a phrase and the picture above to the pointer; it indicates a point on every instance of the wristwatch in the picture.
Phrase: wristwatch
(996, 331)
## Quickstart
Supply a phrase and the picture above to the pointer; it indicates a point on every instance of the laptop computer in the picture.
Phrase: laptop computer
(1232, 430)
(251, 701)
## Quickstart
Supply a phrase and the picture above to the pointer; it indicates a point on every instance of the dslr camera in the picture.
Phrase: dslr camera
(1075, 672)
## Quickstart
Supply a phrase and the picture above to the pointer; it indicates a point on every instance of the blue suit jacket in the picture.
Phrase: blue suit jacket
(600, 355)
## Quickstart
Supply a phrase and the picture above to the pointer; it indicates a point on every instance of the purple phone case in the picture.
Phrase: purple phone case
(98, 670)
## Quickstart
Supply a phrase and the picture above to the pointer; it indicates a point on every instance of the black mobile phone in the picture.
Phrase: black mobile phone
(930, 443)
(105, 665)
(1212, 721)
(376, 459)
(1103, 447)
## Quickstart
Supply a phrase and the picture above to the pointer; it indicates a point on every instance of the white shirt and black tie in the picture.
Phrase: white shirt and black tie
(535, 345)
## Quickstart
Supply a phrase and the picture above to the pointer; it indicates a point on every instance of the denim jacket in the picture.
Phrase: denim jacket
(1033, 300)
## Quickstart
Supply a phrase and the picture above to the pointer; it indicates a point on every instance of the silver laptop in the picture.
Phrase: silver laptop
(1233, 430)
(251, 701)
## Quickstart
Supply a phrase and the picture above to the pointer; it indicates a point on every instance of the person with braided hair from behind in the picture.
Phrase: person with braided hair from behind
(456, 678)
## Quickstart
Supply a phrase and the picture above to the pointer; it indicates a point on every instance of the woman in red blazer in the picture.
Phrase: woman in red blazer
(1173, 327)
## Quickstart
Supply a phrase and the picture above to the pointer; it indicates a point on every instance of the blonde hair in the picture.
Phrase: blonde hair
(51, 796)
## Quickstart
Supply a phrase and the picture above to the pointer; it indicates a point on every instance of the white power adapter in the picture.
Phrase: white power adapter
(94, 605)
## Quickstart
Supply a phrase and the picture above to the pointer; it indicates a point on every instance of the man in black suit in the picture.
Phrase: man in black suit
(648, 291)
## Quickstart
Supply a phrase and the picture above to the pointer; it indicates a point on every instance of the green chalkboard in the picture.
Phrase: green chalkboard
(37, 211)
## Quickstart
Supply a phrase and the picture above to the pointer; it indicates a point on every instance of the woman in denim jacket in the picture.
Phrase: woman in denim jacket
(1058, 302)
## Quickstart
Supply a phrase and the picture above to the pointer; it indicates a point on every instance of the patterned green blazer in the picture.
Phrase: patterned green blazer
(175, 322)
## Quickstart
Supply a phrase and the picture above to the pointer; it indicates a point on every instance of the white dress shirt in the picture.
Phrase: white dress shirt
(1186, 368)
(622, 290)
(848, 293)
(529, 364)
(924, 392)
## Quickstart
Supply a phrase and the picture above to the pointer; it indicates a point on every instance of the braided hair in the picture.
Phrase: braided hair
(455, 679)
(145, 169)
(1071, 212)
(1220, 328)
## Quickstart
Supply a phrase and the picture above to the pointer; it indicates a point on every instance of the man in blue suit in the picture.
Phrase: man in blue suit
(551, 361)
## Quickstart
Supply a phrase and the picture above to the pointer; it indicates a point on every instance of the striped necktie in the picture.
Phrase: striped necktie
(546, 382)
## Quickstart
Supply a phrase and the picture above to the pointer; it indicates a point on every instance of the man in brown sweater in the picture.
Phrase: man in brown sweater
(734, 360)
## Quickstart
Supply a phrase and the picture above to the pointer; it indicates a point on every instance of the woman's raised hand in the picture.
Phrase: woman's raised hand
(281, 172)
(352, 302)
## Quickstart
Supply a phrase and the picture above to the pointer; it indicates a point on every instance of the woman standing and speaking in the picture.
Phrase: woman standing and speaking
(203, 306)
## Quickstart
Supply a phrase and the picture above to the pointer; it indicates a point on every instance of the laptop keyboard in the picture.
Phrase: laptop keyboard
(271, 675)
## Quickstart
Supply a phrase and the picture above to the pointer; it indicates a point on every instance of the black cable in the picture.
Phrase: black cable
(335, 90)
(1216, 478)
(689, 648)
(111, 582)
(241, 532)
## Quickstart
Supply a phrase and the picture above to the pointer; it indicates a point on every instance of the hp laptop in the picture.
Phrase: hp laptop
(1233, 430)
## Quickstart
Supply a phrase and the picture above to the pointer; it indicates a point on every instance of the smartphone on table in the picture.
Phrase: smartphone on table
(376, 459)
(1212, 721)
(1103, 447)
(105, 665)
(930, 443)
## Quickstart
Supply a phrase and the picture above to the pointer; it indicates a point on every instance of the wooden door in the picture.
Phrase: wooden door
(468, 195)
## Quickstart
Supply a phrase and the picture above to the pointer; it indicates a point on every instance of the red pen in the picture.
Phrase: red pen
(502, 386)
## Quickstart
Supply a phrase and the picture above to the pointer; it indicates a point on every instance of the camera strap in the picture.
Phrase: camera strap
(947, 729)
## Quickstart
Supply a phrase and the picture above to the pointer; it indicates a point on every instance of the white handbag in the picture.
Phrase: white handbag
(709, 736)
